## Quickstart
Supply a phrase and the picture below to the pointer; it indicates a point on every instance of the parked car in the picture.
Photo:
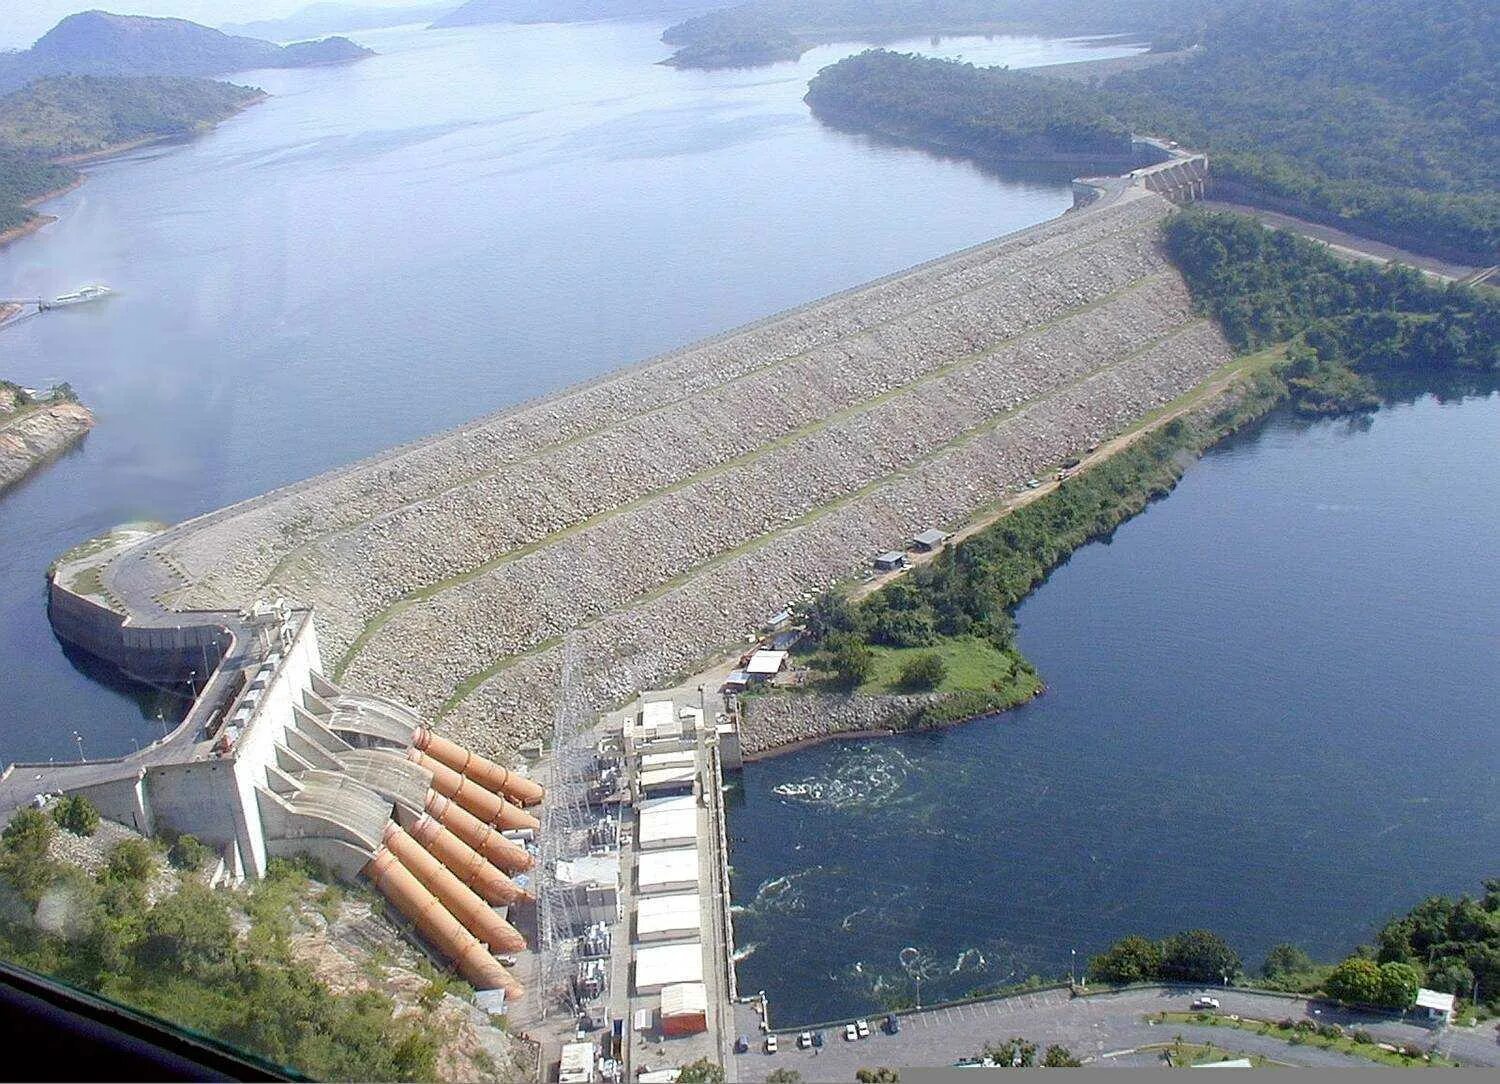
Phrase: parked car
(804, 1041)
(742, 1045)
(818, 1039)
(1033, 483)
(770, 1044)
(1206, 1003)
(863, 1028)
(892, 1025)
(850, 1034)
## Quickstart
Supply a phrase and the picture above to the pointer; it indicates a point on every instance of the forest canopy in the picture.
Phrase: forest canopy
(71, 115)
(1377, 116)
(992, 111)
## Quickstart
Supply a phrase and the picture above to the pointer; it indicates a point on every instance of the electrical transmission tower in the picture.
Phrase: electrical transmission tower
(565, 822)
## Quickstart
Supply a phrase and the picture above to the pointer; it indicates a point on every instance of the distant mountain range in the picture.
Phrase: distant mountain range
(98, 43)
(316, 20)
(477, 12)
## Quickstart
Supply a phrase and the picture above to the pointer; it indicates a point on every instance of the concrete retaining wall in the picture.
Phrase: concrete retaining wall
(769, 722)
(160, 655)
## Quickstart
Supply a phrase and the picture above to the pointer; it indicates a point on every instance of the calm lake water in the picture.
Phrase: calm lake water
(1271, 711)
(469, 219)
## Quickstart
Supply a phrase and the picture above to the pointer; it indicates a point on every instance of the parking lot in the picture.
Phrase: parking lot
(1106, 1027)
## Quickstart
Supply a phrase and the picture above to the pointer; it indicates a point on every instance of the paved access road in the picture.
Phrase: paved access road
(1103, 1027)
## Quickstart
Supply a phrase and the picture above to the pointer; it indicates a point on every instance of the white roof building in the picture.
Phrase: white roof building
(577, 1064)
(667, 965)
(660, 724)
(669, 759)
(598, 870)
(667, 822)
(765, 663)
(1438, 1004)
(668, 918)
(667, 871)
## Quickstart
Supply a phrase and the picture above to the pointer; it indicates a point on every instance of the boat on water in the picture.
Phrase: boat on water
(80, 296)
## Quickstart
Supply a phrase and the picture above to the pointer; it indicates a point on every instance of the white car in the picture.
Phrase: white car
(804, 1040)
(862, 1028)
(770, 1044)
(1206, 1003)
(850, 1034)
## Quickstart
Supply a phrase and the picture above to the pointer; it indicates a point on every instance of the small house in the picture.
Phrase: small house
(1436, 1005)
(764, 665)
(890, 561)
(929, 540)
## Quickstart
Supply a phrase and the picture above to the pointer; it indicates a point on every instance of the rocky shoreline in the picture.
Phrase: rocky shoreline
(776, 724)
(37, 436)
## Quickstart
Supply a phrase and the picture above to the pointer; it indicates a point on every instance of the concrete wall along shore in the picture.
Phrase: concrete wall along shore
(666, 511)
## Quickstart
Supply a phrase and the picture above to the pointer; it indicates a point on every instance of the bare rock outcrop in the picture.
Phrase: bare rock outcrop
(31, 436)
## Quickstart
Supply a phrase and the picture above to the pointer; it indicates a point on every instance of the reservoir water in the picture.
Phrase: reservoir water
(1271, 711)
(388, 248)
(1271, 703)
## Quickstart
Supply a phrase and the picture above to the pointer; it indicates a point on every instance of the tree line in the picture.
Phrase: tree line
(1444, 944)
(993, 112)
(1342, 320)
(69, 115)
(1378, 116)
(181, 957)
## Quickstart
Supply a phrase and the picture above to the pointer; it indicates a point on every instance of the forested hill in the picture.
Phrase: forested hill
(991, 112)
(64, 116)
(98, 43)
(69, 115)
(1380, 116)
(762, 31)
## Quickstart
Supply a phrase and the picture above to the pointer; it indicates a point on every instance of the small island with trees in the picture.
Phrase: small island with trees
(993, 114)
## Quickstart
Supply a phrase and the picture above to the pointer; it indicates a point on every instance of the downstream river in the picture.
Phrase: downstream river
(381, 250)
(1271, 711)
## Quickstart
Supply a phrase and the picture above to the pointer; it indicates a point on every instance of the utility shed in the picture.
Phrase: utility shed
(765, 664)
(889, 561)
(668, 918)
(657, 966)
(1437, 1005)
(684, 1009)
(667, 822)
(667, 871)
(929, 540)
(577, 1064)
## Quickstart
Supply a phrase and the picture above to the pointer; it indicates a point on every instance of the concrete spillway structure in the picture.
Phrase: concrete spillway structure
(274, 760)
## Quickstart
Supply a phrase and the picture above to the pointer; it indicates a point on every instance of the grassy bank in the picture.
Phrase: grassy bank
(1354, 1043)
(945, 627)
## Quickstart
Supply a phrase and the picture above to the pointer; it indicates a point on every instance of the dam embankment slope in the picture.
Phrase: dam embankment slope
(663, 512)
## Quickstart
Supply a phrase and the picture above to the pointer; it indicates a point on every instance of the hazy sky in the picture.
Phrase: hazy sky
(23, 21)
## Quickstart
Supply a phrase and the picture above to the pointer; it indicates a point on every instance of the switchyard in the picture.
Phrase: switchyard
(635, 939)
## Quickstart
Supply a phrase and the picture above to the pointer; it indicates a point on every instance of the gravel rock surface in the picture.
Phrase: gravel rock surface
(658, 515)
